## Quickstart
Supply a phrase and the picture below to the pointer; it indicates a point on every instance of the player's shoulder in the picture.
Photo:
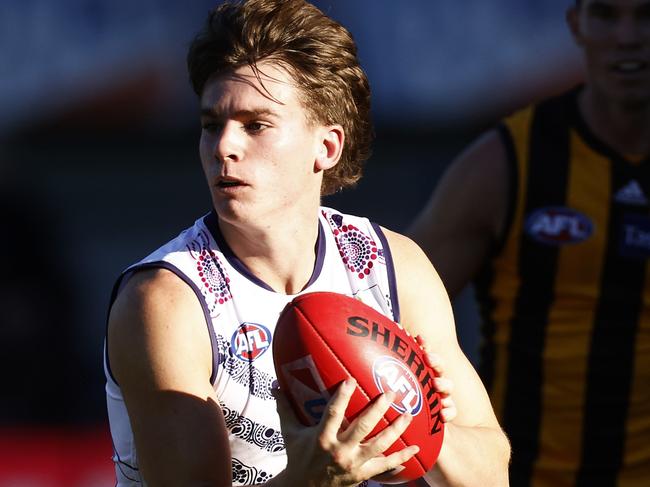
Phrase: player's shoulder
(478, 178)
(409, 259)
(484, 154)
(151, 300)
(400, 244)
(150, 286)
(419, 286)
(156, 314)
(561, 105)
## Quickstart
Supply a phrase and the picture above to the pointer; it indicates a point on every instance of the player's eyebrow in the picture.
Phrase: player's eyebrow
(252, 113)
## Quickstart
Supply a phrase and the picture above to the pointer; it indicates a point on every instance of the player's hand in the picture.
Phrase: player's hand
(443, 384)
(334, 453)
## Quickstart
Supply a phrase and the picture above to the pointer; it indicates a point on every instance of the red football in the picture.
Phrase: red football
(322, 338)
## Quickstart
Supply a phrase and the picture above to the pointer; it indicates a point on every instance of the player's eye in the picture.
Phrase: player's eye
(210, 126)
(254, 126)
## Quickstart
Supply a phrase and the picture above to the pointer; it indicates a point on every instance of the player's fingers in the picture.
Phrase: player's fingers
(385, 438)
(334, 414)
(447, 402)
(384, 467)
(368, 419)
(443, 385)
(448, 412)
(436, 362)
(433, 360)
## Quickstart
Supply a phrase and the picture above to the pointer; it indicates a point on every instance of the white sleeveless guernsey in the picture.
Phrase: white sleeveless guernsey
(353, 258)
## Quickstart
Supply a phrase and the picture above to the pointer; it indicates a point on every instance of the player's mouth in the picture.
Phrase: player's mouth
(226, 183)
(630, 67)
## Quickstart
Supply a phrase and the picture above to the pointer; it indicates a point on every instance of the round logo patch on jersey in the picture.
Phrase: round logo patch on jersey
(392, 375)
(250, 341)
(557, 225)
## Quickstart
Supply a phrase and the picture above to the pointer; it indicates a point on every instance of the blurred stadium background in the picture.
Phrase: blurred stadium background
(98, 166)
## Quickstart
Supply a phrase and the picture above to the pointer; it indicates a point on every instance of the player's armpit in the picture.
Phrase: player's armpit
(160, 354)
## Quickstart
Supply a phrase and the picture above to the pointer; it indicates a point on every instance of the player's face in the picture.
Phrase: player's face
(615, 37)
(258, 148)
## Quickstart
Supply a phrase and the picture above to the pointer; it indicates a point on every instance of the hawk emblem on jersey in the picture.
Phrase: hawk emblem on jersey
(250, 341)
(358, 250)
(215, 283)
(556, 225)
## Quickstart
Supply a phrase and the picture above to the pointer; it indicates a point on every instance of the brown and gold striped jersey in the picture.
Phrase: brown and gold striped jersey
(565, 303)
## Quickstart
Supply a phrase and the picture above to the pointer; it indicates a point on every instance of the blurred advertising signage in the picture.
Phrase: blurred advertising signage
(56, 457)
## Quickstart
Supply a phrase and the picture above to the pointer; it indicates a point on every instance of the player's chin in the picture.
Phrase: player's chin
(230, 210)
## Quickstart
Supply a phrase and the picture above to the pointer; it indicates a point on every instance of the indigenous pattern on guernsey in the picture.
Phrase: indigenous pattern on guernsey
(566, 305)
(211, 271)
(258, 382)
(352, 258)
(247, 475)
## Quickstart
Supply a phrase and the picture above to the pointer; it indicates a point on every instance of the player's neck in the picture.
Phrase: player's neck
(281, 254)
(625, 129)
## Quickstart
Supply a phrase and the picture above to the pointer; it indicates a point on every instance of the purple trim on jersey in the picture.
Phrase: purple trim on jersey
(211, 221)
(123, 279)
(320, 255)
(390, 271)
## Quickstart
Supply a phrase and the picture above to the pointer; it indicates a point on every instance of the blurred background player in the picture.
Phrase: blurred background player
(549, 216)
(285, 119)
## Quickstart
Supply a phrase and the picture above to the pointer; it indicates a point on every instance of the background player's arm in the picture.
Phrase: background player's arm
(466, 213)
(475, 451)
(160, 354)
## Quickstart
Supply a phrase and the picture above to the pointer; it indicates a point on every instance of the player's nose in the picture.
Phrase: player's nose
(228, 143)
(628, 32)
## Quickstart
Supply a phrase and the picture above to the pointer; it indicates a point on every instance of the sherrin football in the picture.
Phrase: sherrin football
(322, 338)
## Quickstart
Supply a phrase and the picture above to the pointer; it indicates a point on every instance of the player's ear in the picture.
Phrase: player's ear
(330, 147)
(573, 21)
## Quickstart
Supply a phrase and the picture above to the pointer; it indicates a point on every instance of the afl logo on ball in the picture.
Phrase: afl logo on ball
(557, 225)
(250, 341)
(392, 375)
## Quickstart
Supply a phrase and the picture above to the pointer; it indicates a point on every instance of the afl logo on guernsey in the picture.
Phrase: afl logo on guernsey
(250, 341)
(392, 375)
(556, 225)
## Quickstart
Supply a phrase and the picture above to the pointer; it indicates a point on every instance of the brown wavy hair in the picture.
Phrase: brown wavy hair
(318, 52)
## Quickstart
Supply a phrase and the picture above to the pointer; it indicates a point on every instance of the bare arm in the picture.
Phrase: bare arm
(160, 354)
(466, 213)
(475, 451)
